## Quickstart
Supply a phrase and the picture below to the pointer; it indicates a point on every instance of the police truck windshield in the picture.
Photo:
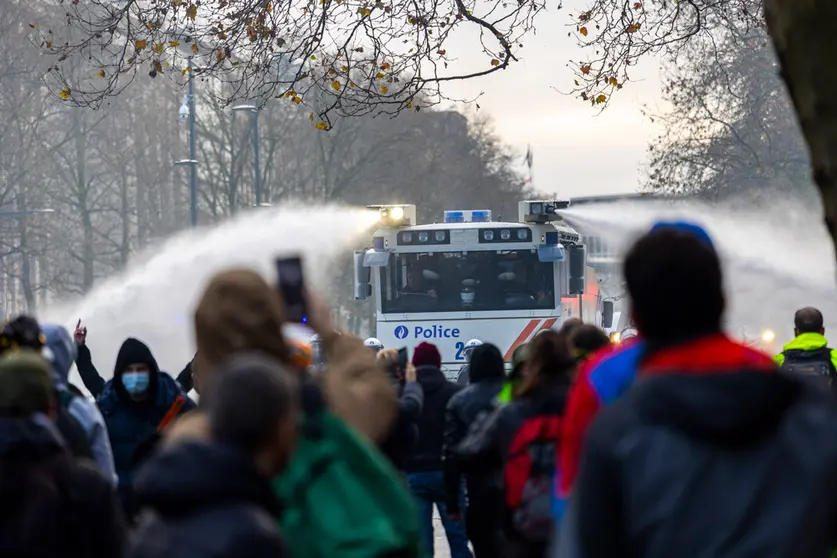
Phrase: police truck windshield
(466, 281)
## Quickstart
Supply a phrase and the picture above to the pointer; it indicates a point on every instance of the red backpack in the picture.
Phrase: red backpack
(528, 476)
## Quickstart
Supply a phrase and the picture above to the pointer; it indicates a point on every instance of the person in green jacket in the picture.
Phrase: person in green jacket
(808, 354)
(514, 376)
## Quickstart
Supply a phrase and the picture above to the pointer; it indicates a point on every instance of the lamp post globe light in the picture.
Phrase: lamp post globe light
(187, 112)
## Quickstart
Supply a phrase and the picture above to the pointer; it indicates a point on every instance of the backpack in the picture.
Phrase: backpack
(341, 496)
(814, 366)
(70, 428)
(528, 476)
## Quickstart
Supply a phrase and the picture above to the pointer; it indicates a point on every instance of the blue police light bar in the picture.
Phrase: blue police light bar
(481, 216)
(454, 216)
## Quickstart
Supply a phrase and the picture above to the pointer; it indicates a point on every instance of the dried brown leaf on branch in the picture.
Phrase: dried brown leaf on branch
(628, 32)
(260, 50)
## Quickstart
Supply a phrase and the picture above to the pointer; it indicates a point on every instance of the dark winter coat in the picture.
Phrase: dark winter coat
(712, 452)
(132, 425)
(473, 402)
(401, 443)
(438, 391)
(485, 451)
(206, 501)
(52, 504)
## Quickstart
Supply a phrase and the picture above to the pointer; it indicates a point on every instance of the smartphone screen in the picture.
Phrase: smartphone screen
(292, 288)
(402, 358)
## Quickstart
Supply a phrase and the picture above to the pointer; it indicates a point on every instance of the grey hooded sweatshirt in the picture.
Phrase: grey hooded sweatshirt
(62, 353)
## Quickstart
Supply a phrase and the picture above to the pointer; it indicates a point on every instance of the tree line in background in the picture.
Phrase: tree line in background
(731, 132)
(109, 180)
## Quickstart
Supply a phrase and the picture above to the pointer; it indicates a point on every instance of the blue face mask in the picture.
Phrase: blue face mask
(135, 382)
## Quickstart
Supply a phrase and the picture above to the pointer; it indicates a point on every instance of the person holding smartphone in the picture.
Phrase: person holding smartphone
(404, 435)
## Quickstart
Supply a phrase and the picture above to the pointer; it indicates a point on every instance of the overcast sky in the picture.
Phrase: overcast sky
(576, 150)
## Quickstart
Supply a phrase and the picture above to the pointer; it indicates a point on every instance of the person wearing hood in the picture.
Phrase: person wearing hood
(61, 351)
(425, 467)
(136, 404)
(214, 498)
(713, 452)
(24, 332)
(51, 504)
(487, 375)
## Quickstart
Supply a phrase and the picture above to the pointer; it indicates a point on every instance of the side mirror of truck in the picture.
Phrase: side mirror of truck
(362, 277)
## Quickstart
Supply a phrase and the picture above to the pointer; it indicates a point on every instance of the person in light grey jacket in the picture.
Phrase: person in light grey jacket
(61, 350)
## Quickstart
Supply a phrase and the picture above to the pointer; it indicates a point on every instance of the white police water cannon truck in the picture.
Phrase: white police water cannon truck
(470, 277)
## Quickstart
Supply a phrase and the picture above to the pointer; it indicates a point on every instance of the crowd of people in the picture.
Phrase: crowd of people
(680, 440)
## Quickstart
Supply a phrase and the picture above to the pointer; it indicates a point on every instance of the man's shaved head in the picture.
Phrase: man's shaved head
(808, 320)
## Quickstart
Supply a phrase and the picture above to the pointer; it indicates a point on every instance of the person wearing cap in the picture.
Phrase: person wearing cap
(425, 467)
(52, 504)
(24, 332)
(602, 379)
(714, 452)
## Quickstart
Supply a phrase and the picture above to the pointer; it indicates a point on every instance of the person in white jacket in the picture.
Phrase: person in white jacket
(61, 350)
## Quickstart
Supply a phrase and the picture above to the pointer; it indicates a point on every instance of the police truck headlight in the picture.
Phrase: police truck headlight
(423, 237)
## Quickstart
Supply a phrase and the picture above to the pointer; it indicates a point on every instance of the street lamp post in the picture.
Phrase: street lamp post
(256, 143)
(187, 110)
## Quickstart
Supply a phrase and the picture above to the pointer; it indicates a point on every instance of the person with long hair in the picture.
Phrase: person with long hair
(517, 443)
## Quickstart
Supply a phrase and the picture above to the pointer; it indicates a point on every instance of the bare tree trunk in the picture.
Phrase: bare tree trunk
(125, 216)
(88, 252)
(25, 263)
(803, 33)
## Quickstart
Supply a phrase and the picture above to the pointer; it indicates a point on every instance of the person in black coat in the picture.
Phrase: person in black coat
(487, 373)
(51, 503)
(712, 452)
(425, 467)
(401, 442)
(214, 499)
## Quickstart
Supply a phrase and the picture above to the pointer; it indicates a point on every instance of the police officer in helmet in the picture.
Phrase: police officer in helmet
(374, 344)
(465, 371)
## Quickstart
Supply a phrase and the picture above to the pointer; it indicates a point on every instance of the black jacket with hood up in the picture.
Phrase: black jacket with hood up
(712, 453)
(205, 501)
(438, 391)
(487, 373)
